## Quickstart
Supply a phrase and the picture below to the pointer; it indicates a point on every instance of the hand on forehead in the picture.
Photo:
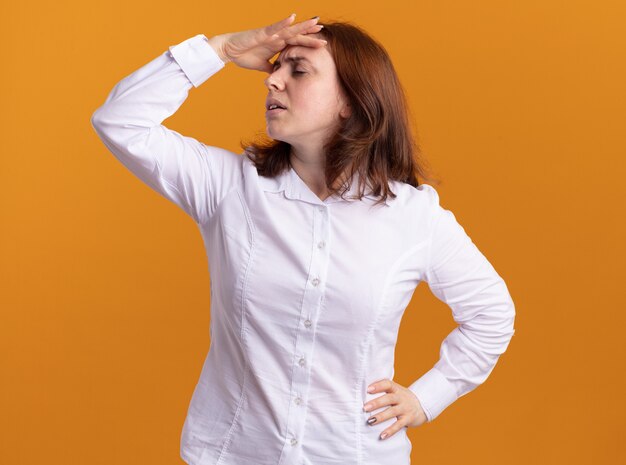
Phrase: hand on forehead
(299, 48)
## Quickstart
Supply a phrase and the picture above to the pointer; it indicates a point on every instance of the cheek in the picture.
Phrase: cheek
(318, 103)
(323, 108)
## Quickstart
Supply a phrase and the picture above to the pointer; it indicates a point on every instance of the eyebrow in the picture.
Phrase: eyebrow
(293, 59)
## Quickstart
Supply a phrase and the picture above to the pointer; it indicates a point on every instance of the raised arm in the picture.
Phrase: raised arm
(182, 169)
(460, 275)
(193, 175)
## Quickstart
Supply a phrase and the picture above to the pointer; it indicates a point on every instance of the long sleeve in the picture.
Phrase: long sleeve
(460, 275)
(191, 174)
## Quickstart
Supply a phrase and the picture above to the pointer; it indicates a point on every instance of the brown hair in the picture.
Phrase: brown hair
(376, 139)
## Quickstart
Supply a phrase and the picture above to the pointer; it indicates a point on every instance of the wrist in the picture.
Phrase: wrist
(217, 42)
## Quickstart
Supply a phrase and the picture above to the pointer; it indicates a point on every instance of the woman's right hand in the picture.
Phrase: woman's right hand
(252, 49)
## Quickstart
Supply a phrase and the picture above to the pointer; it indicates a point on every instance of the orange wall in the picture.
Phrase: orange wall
(104, 289)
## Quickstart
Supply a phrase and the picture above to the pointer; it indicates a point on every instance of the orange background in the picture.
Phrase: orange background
(104, 290)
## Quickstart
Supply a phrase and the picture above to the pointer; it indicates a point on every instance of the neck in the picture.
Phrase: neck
(310, 168)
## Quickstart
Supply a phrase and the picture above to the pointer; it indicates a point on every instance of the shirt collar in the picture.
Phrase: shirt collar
(296, 189)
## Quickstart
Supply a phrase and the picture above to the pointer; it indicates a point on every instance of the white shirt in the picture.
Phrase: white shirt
(306, 294)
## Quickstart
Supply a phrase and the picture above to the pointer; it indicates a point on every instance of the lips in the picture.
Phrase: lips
(273, 101)
(275, 111)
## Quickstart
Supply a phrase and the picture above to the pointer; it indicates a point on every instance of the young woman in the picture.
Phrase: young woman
(316, 241)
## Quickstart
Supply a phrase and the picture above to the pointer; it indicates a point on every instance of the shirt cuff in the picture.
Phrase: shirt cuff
(434, 392)
(198, 60)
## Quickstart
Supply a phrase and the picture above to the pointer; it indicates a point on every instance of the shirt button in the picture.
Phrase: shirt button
(321, 209)
(321, 244)
(298, 400)
(316, 281)
(294, 441)
(301, 361)
(307, 323)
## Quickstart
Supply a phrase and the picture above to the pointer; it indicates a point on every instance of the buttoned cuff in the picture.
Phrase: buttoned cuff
(434, 392)
(198, 60)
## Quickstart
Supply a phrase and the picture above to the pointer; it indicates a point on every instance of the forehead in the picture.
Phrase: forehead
(291, 50)
(313, 54)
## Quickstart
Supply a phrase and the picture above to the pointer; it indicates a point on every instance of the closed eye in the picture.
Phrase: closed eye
(299, 72)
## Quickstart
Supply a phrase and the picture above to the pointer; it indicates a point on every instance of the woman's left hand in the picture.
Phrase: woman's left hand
(403, 404)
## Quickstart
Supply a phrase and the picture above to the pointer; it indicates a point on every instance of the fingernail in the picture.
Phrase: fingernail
(371, 388)
(383, 436)
(371, 421)
(315, 17)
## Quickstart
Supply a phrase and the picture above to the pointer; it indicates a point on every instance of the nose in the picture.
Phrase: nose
(273, 81)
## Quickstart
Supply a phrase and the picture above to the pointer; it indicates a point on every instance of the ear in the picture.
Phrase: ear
(346, 111)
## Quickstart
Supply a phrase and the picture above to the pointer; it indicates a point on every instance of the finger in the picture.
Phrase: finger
(379, 402)
(382, 385)
(275, 27)
(306, 41)
(393, 429)
(281, 35)
(313, 29)
(301, 27)
(387, 414)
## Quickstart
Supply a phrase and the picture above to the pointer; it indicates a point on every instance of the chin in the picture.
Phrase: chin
(274, 135)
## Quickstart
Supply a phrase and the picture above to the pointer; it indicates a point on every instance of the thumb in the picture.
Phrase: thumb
(267, 67)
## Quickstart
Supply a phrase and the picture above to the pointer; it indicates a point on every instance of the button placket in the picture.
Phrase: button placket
(303, 348)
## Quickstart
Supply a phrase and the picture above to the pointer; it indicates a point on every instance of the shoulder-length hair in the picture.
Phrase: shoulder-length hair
(377, 140)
